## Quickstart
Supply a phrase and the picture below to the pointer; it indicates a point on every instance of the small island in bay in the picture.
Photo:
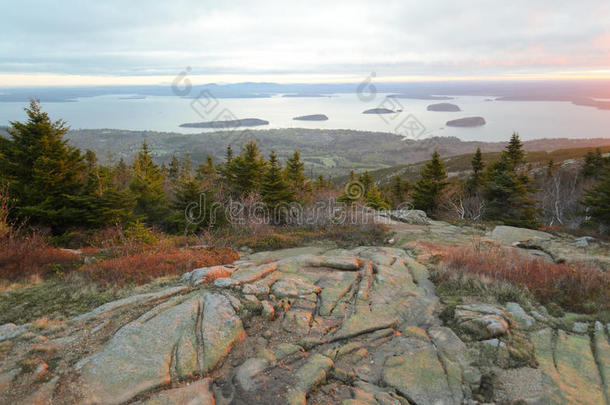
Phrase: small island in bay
(379, 111)
(443, 107)
(466, 122)
(245, 122)
(312, 117)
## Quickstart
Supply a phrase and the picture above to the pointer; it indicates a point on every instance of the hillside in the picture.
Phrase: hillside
(327, 152)
(461, 163)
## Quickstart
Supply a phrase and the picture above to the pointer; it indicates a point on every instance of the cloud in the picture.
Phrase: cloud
(394, 38)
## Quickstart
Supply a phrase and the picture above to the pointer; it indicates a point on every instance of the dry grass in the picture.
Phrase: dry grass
(577, 287)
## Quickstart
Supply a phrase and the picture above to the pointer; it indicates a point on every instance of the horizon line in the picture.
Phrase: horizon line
(19, 80)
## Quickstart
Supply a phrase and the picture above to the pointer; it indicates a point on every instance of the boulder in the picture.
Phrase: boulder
(175, 340)
(413, 217)
(509, 235)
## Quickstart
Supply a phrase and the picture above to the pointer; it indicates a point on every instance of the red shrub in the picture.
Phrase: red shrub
(23, 257)
(571, 285)
(140, 268)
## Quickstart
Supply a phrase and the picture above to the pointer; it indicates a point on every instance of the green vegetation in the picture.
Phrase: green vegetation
(430, 185)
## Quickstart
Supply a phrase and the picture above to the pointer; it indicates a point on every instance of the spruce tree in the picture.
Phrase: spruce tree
(320, 183)
(174, 168)
(243, 172)
(514, 151)
(593, 164)
(507, 195)
(43, 171)
(295, 172)
(398, 191)
(192, 207)
(366, 180)
(374, 199)
(430, 186)
(597, 199)
(147, 188)
(274, 189)
(475, 180)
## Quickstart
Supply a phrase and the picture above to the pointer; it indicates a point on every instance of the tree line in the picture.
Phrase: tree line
(55, 185)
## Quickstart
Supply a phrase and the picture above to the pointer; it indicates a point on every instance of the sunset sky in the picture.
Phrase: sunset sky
(144, 42)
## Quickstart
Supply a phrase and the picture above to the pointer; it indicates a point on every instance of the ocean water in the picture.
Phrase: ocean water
(531, 119)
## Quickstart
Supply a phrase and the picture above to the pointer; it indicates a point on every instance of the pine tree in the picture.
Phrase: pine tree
(295, 172)
(475, 180)
(206, 171)
(274, 189)
(597, 199)
(174, 168)
(192, 207)
(374, 199)
(147, 187)
(430, 186)
(514, 151)
(366, 180)
(43, 170)
(398, 191)
(507, 195)
(320, 183)
(243, 172)
(593, 164)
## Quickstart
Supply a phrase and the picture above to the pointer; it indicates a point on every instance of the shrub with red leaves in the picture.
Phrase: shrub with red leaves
(574, 286)
(143, 267)
(26, 256)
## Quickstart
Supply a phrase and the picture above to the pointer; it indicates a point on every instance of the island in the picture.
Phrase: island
(443, 107)
(379, 111)
(312, 117)
(245, 122)
(466, 122)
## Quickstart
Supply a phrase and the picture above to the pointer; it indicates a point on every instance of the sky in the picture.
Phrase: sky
(45, 42)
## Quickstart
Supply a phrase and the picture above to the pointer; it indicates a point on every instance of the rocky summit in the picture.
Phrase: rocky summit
(310, 326)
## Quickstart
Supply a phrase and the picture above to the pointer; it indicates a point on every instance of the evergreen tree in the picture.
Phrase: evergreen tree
(597, 200)
(507, 195)
(593, 164)
(398, 191)
(295, 172)
(274, 189)
(174, 168)
(514, 151)
(243, 172)
(320, 183)
(206, 171)
(374, 199)
(475, 180)
(366, 180)
(192, 207)
(43, 170)
(430, 186)
(147, 187)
